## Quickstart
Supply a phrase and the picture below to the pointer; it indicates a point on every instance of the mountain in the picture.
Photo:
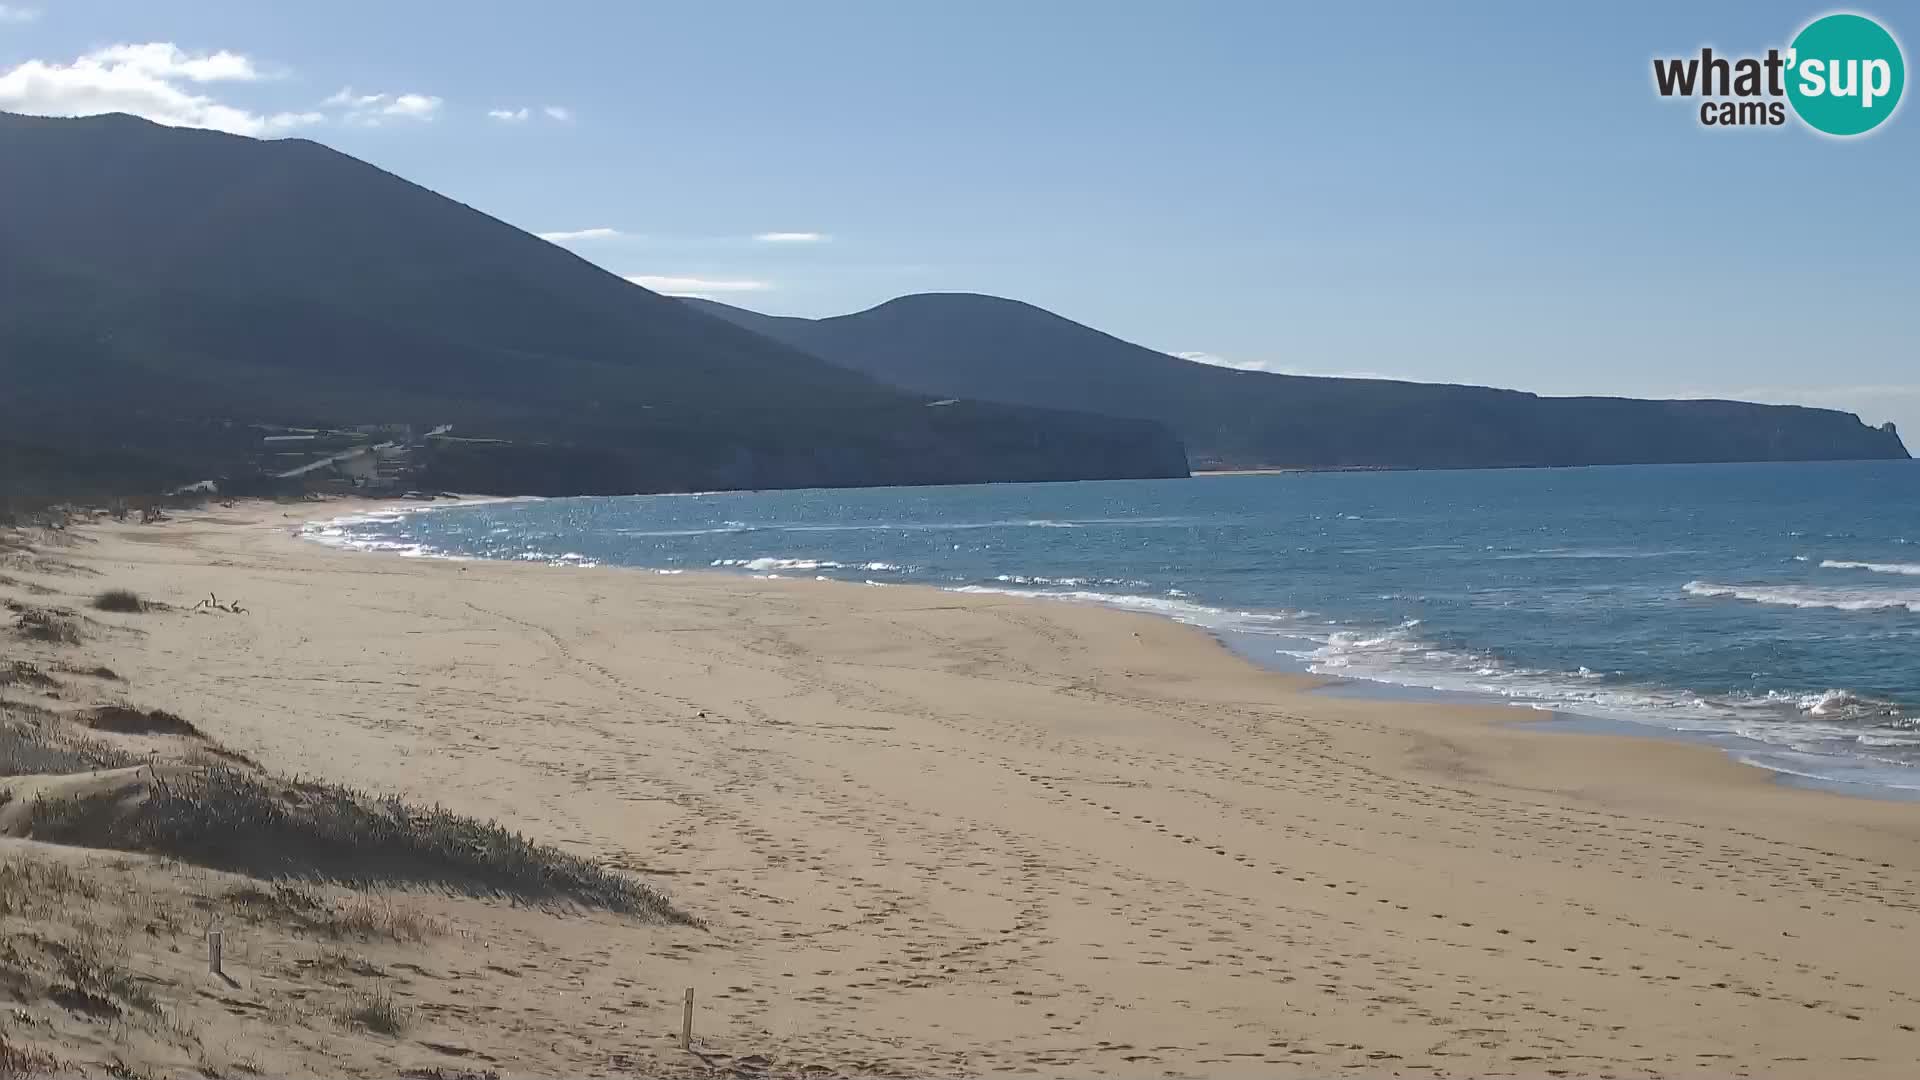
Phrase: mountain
(964, 345)
(160, 284)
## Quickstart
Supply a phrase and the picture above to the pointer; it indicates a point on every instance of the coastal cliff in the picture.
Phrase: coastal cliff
(1003, 350)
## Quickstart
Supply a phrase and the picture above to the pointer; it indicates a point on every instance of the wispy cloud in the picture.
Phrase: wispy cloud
(558, 114)
(155, 80)
(10, 13)
(372, 110)
(704, 288)
(1275, 368)
(568, 236)
(791, 238)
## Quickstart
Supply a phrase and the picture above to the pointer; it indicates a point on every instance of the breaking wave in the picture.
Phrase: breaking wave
(1908, 569)
(1811, 596)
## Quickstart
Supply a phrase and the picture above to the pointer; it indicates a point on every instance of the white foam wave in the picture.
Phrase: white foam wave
(728, 529)
(1212, 618)
(1908, 569)
(1811, 596)
(566, 558)
(765, 563)
(962, 526)
(1071, 582)
(1595, 553)
(1838, 703)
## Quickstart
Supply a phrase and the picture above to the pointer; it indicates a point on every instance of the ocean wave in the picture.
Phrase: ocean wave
(728, 529)
(1838, 704)
(1289, 623)
(565, 558)
(765, 563)
(1811, 596)
(1596, 553)
(965, 526)
(1908, 569)
(1071, 582)
(1817, 722)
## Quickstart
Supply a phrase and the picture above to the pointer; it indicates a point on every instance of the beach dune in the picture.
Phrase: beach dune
(941, 834)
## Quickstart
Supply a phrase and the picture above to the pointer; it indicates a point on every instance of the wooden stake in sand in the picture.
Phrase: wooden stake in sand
(686, 1023)
(214, 944)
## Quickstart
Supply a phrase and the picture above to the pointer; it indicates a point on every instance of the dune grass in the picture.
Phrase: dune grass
(30, 746)
(232, 820)
(127, 720)
(375, 1011)
(51, 625)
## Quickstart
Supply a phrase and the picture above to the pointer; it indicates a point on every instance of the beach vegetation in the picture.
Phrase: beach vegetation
(121, 600)
(31, 744)
(376, 1011)
(230, 819)
(54, 626)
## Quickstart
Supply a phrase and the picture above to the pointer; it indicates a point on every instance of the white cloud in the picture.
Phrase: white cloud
(414, 105)
(346, 98)
(1274, 368)
(286, 121)
(705, 288)
(556, 113)
(1220, 361)
(571, 235)
(165, 60)
(370, 110)
(148, 80)
(11, 14)
(791, 237)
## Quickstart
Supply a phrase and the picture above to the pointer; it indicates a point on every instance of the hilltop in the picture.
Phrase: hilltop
(990, 348)
(159, 285)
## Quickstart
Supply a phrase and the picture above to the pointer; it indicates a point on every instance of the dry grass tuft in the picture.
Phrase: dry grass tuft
(122, 600)
(54, 626)
(97, 671)
(18, 1063)
(358, 916)
(33, 889)
(375, 1011)
(92, 966)
(127, 720)
(371, 916)
(26, 673)
(330, 960)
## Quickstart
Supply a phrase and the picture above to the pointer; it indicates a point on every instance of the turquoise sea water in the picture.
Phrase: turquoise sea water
(1774, 609)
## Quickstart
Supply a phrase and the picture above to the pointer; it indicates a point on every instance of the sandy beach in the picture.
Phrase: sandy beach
(936, 834)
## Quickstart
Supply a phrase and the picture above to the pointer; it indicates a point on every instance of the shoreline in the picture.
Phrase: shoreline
(1255, 649)
(948, 834)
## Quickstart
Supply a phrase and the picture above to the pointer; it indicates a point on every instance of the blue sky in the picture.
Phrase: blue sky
(1470, 193)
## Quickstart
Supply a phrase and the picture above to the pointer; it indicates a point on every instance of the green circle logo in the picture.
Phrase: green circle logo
(1845, 74)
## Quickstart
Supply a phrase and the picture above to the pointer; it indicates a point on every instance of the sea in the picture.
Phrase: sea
(1770, 609)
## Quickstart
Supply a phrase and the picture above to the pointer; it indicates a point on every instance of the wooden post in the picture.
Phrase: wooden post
(686, 1023)
(214, 944)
